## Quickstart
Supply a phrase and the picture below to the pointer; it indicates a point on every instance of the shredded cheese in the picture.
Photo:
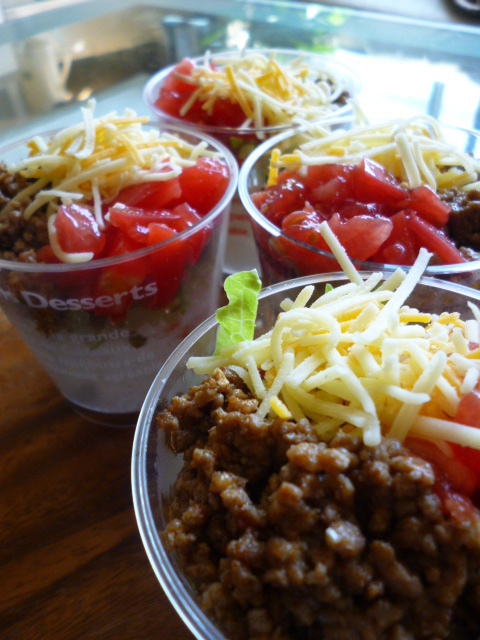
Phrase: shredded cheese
(415, 150)
(359, 357)
(269, 92)
(91, 162)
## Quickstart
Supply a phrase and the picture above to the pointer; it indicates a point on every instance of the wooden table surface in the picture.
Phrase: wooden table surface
(72, 564)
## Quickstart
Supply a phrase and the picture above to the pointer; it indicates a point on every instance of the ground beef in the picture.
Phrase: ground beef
(464, 222)
(19, 238)
(287, 537)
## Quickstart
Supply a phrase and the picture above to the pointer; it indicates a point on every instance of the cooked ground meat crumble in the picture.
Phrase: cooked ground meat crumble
(19, 238)
(464, 220)
(287, 537)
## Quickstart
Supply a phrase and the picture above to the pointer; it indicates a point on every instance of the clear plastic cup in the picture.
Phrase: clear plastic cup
(282, 257)
(101, 328)
(154, 465)
(241, 252)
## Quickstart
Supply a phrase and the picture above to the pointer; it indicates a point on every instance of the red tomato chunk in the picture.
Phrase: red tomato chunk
(457, 470)
(373, 216)
(176, 92)
(78, 230)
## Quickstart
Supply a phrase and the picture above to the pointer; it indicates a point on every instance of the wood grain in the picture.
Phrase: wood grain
(72, 564)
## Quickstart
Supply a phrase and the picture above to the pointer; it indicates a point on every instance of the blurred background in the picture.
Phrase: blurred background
(54, 54)
(446, 10)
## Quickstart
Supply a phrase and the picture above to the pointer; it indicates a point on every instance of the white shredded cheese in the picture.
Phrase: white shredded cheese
(359, 357)
(414, 150)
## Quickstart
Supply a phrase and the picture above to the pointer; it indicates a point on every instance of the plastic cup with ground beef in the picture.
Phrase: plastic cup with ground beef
(271, 527)
(386, 188)
(111, 243)
(244, 97)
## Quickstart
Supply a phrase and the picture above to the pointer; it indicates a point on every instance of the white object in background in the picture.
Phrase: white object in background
(44, 68)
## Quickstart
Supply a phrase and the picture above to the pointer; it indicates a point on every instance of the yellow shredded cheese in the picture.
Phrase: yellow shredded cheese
(269, 92)
(359, 357)
(415, 150)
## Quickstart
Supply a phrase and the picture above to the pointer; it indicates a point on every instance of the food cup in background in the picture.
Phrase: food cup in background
(243, 98)
(100, 328)
(426, 193)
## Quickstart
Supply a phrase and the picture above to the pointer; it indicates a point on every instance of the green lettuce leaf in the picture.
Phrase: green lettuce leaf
(237, 319)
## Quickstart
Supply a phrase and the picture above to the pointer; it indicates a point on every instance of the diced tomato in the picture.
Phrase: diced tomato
(304, 260)
(132, 221)
(175, 92)
(261, 199)
(78, 231)
(118, 280)
(361, 236)
(280, 201)
(469, 413)
(204, 184)
(151, 195)
(289, 174)
(172, 103)
(304, 226)
(45, 255)
(470, 458)
(457, 505)
(461, 469)
(390, 220)
(321, 174)
(183, 218)
(372, 183)
(167, 264)
(159, 232)
(400, 247)
(434, 240)
(148, 228)
(452, 474)
(332, 193)
(119, 243)
(350, 209)
(329, 185)
(226, 113)
(428, 205)
(174, 83)
(135, 222)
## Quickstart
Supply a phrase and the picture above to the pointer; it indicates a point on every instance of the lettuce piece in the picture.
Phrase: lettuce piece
(237, 319)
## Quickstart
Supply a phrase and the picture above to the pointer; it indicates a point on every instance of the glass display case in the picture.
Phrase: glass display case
(55, 54)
